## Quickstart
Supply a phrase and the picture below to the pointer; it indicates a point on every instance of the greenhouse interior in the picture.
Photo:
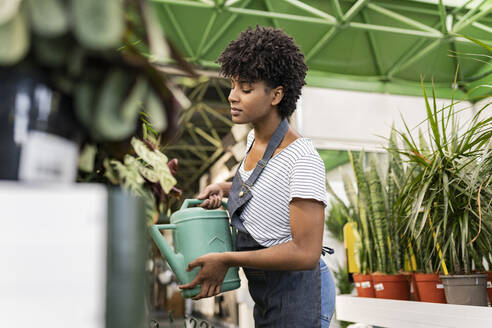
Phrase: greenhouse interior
(127, 127)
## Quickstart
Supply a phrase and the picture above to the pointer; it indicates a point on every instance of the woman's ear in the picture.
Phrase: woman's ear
(278, 94)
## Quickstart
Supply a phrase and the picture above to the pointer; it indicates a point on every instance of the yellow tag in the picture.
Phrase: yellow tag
(241, 194)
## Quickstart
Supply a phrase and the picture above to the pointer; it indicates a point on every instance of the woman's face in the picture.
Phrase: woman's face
(251, 102)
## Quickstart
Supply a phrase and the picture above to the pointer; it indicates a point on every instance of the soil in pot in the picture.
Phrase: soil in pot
(364, 285)
(489, 285)
(468, 289)
(429, 288)
(392, 286)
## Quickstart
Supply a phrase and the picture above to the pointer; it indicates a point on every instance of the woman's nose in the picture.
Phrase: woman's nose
(233, 98)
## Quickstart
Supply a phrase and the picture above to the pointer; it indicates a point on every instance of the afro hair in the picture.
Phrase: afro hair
(267, 54)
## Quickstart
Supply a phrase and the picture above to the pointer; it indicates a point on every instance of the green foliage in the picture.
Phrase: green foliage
(14, 33)
(449, 193)
(344, 285)
(147, 175)
(87, 49)
(98, 24)
(48, 17)
(373, 206)
(333, 158)
(336, 219)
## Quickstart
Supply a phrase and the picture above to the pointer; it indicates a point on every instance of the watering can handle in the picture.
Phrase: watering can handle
(188, 202)
(165, 226)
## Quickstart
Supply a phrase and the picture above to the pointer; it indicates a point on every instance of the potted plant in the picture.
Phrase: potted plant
(74, 71)
(380, 253)
(360, 260)
(426, 283)
(449, 196)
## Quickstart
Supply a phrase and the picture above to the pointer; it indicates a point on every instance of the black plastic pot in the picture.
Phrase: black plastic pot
(467, 289)
(39, 134)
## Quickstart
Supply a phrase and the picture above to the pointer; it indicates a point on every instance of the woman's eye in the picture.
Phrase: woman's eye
(246, 91)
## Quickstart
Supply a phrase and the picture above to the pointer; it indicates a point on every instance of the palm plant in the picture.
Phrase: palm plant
(449, 191)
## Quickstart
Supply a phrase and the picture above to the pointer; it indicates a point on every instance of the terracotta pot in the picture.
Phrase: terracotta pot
(364, 285)
(428, 287)
(392, 286)
(489, 285)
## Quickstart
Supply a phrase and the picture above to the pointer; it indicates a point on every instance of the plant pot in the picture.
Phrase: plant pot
(364, 285)
(392, 286)
(126, 278)
(428, 287)
(467, 289)
(489, 285)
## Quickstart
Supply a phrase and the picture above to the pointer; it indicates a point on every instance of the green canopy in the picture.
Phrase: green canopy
(366, 45)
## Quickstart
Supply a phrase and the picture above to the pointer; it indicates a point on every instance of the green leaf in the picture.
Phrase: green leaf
(51, 52)
(156, 111)
(158, 161)
(132, 104)
(87, 158)
(8, 9)
(48, 17)
(84, 102)
(98, 24)
(14, 39)
(109, 122)
(154, 158)
(109, 172)
(350, 191)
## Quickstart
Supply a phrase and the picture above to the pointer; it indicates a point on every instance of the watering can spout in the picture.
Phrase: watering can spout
(175, 260)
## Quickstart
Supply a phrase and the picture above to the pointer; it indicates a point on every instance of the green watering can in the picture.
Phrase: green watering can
(196, 232)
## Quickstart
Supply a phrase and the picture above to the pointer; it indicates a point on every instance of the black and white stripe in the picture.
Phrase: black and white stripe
(297, 171)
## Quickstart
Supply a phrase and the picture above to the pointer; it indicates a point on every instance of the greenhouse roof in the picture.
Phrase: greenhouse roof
(368, 45)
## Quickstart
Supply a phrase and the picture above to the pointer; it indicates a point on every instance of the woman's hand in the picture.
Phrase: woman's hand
(213, 196)
(211, 275)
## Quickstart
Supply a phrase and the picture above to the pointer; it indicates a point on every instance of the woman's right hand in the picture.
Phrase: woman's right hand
(213, 196)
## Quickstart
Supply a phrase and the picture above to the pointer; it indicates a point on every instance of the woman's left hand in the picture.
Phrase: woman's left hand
(211, 275)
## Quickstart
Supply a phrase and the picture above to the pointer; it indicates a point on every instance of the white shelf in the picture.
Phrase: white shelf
(409, 314)
(52, 255)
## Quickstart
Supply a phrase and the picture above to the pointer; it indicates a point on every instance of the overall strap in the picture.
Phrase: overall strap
(272, 145)
(240, 192)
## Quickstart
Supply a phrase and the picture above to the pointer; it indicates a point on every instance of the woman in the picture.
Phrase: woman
(277, 198)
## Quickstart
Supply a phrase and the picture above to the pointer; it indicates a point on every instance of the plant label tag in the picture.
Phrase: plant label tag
(489, 284)
(357, 284)
(379, 286)
(48, 158)
(366, 284)
(439, 286)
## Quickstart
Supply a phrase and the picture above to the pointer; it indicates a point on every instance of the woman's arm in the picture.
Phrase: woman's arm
(301, 253)
(226, 188)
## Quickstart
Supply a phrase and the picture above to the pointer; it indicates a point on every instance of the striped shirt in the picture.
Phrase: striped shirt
(296, 171)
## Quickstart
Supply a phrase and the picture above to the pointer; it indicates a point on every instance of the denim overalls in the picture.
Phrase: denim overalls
(282, 298)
